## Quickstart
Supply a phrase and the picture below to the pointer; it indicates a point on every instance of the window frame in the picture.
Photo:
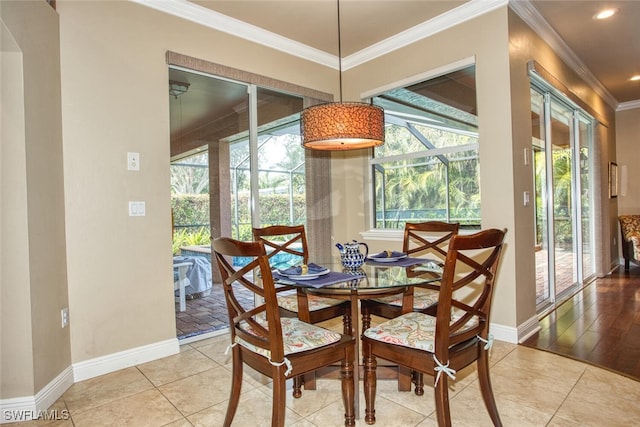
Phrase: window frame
(396, 234)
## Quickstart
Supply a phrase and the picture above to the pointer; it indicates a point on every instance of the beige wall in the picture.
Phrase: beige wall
(35, 348)
(114, 80)
(486, 39)
(628, 155)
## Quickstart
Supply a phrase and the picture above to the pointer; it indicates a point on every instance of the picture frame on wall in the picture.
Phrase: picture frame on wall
(613, 180)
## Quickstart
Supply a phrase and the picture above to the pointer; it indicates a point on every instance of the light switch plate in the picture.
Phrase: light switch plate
(137, 209)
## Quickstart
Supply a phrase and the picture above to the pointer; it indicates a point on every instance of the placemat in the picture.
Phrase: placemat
(331, 278)
(404, 262)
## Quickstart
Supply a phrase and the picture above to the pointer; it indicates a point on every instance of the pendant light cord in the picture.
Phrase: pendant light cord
(339, 52)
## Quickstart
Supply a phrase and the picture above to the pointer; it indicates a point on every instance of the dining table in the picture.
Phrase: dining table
(375, 278)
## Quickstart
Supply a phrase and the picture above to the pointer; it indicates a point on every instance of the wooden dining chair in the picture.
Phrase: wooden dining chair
(292, 240)
(278, 347)
(456, 337)
(428, 239)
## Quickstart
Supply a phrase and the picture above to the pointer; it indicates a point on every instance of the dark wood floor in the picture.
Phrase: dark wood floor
(599, 325)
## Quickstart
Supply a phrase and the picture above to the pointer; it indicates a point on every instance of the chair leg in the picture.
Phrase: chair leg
(404, 379)
(443, 412)
(370, 385)
(418, 380)
(278, 407)
(309, 381)
(348, 390)
(346, 323)
(486, 389)
(297, 386)
(366, 319)
(236, 384)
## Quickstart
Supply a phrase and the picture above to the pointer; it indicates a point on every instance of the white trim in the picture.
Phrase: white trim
(465, 12)
(525, 10)
(628, 105)
(435, 72)
(389, 235)
(201, 15)
(28, 407)
(528, 328)
(515, 335)
(504, 333)
(217, 21)
(113, 362)
(470, 10)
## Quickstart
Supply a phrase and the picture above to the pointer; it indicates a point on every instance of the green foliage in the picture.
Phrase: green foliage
(190, 237)
(190, 209)
(444, 187)
(274, 209)
(191, 216)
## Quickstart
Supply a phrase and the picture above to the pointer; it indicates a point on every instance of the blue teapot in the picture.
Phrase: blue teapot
(350, 254)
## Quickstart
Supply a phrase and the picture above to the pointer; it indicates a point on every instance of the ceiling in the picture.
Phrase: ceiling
(609, 49)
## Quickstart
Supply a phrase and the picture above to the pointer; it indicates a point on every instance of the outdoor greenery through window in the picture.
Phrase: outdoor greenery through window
(190, 201)
(429, 168)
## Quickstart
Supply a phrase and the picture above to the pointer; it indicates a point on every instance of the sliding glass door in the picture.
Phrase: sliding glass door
(561, 147)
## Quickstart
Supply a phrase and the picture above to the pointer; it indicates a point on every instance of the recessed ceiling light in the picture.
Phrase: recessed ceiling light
(635, 78)
(606, 13)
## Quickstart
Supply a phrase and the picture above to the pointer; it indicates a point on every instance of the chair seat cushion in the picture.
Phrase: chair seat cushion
(422, 299)
(415, 330)
(297, 336)
(290, 302)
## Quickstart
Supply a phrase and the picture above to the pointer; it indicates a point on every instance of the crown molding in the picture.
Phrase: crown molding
(465, 12)
(525, 10)
(217, 21)
(628, 105)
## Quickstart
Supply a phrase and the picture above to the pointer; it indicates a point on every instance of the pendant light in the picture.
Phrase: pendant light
(342, 125)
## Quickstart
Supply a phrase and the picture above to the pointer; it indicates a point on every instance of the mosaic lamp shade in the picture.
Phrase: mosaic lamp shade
(342, 126)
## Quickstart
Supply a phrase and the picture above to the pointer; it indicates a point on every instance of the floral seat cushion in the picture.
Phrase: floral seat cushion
(297, 336)
(290, 302)
(422, 299)
(415, 330)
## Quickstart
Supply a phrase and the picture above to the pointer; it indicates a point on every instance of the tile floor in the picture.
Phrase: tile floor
(532, 388)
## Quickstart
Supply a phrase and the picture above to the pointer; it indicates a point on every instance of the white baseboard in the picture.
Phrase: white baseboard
(528, 328)
(515, 335)
(34, 407)
(124, 359)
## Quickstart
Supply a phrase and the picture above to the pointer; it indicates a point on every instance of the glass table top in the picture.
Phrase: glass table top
(372, 276)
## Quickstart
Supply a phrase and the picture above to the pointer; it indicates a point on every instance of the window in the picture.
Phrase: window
(429, 168)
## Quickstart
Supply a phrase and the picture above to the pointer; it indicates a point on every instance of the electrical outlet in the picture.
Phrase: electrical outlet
(64, 314)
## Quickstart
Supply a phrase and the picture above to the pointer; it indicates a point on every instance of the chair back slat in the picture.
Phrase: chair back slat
(466, 289)
(281, 239)
(249, 323)
(428, 238)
